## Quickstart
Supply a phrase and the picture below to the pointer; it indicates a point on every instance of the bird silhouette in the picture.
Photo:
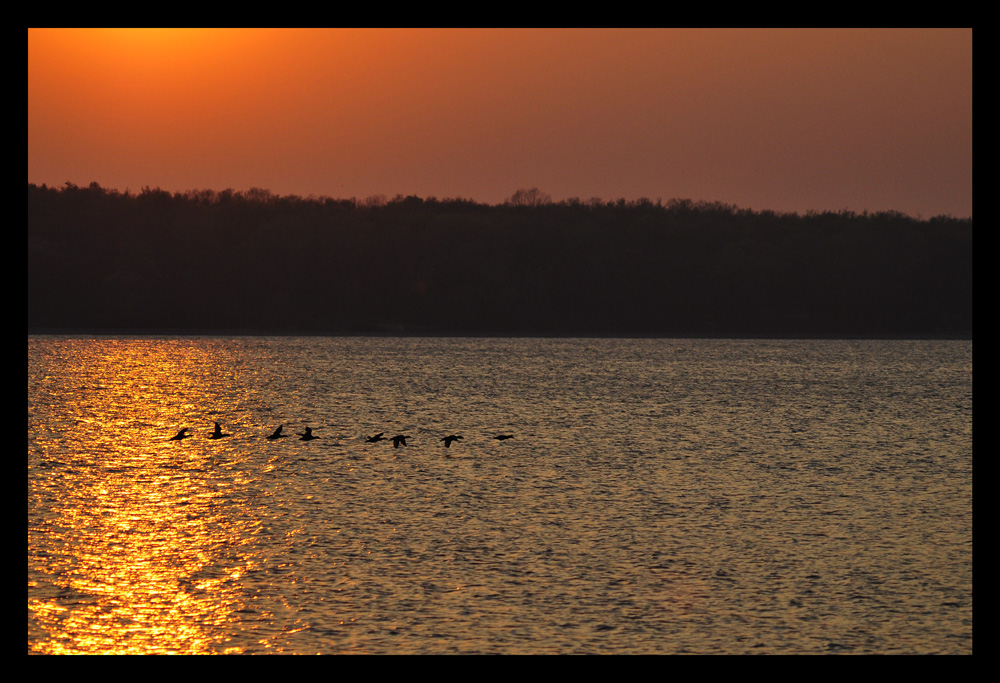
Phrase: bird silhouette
(277, 433)
(376, 438)
(307, 435)
(448, 439)
(503, 437)
(181, 435)
(398, 440)
(217, 434)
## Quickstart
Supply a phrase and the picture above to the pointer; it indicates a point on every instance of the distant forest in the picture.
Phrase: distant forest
(253, 262)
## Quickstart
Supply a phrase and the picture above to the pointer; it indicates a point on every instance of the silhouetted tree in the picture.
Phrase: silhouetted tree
(257, 261)
(529, 197)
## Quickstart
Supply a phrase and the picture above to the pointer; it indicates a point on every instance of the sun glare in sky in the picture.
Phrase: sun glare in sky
(784, 119)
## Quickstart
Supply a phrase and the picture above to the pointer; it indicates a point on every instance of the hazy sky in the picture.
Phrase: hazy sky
(784, 119)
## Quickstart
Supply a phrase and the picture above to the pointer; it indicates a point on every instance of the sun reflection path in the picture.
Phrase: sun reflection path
(136, 544)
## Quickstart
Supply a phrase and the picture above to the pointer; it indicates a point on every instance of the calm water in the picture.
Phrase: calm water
(658, 496)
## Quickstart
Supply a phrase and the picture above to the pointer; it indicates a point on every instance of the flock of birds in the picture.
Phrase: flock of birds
(307, 435)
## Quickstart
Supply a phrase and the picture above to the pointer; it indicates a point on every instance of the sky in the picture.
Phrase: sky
(788, 120)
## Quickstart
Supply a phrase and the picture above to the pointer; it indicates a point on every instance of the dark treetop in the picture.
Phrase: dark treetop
(255, 262)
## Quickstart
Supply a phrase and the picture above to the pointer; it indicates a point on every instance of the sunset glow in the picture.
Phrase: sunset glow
(142, 521)
(789, 120)
(500, 341)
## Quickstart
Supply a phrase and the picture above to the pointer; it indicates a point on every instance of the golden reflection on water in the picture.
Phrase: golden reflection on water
(678, 500)
(143, 545)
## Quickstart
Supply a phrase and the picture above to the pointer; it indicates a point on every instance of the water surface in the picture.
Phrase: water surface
(658, 496)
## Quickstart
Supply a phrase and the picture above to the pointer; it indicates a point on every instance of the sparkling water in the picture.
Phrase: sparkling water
(658, 496)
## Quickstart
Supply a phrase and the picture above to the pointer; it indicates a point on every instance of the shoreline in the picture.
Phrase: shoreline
(521, 334)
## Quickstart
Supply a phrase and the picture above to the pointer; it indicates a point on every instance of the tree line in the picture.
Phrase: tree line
(256, 262)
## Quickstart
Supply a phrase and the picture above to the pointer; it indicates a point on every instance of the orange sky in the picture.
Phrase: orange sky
(786, 119)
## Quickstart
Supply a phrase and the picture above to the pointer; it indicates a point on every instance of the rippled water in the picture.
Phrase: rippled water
(658, 496)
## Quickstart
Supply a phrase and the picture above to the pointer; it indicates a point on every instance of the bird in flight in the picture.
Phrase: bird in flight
(217, 434)
(183, 434)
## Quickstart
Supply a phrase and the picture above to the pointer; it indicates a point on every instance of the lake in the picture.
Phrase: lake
(658, 496)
